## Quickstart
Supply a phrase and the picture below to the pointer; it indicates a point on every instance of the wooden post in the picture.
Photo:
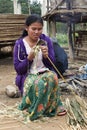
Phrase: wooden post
(49, 28)
(43, 11)
(70, 42)
(53, 29)
(17, 7)
(47, 5)
(73, 34)
(29, 7)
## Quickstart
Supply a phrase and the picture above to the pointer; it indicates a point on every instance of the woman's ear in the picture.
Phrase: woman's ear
(26, 28)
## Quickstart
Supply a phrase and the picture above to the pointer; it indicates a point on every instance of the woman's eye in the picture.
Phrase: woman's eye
(34, 29)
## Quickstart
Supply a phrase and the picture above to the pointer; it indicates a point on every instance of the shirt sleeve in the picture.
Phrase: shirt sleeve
(21, 63)
(50, 52)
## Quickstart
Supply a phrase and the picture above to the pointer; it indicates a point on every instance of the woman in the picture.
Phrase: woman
(36, 80)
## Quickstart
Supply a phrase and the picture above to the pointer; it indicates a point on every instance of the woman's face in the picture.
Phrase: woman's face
(35, 30)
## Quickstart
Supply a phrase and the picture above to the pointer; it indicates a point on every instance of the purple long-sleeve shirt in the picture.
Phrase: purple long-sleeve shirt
(22, 64)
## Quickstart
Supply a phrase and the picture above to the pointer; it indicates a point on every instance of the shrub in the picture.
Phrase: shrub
(62, 39)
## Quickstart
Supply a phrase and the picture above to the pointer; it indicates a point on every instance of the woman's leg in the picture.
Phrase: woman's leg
(41, 95)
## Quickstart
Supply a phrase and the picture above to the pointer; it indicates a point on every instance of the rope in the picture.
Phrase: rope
(56, 69)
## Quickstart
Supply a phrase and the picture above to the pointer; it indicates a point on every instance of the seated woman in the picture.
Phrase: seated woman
(36, 79)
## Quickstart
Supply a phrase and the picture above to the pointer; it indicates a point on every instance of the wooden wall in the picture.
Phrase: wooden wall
(81, 46)
(11, 27)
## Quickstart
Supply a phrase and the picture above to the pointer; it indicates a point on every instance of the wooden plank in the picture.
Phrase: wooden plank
(9, 39)
(80, 49)
(13, 15)
(11, 21)
(12, 30)
(12, 18)
(11, 27)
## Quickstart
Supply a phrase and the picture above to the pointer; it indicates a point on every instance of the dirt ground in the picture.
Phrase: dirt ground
(7, 77)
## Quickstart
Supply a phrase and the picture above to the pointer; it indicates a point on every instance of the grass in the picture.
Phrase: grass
(62, 39)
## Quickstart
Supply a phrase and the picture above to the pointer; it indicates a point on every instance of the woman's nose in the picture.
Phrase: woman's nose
(36, 31)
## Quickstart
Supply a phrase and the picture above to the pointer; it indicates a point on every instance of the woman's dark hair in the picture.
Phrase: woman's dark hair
(31, 19)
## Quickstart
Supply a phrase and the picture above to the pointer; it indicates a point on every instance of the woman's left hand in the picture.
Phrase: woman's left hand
(44, 50)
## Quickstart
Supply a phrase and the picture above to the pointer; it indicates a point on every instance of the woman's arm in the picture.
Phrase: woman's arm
(50, 51)
(21, 63)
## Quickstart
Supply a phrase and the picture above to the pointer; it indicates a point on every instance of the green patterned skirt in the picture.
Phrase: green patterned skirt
(41, 95)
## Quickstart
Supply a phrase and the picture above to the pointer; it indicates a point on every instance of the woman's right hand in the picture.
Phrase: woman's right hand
(31, 55)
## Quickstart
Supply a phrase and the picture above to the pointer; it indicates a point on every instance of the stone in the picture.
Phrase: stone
(10, 90)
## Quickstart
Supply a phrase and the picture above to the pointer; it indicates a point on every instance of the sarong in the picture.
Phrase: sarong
(41, 95)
